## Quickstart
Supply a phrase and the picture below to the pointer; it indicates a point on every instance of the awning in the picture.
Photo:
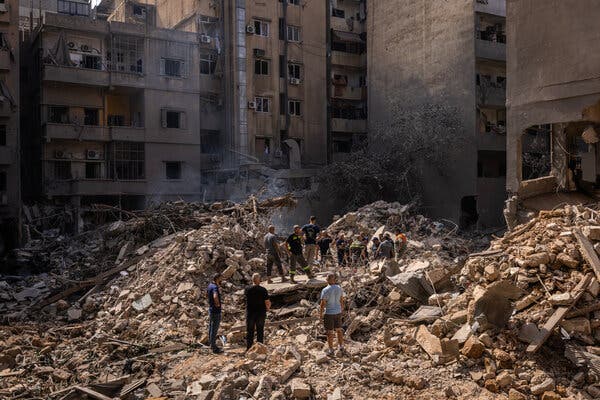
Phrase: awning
(347, 37)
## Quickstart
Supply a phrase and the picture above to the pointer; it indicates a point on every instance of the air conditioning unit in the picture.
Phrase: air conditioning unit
(215, 158)
(252, 105)
(250, 29)
(71, 45)
(92, 155)
(259, 53)
(205, 39)
(61, 154)
(294, 81)
(3, 198)
(85, 47)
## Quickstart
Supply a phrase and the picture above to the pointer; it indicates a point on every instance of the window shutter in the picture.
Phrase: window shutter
(183, 120)
(163, 117)
(162, 66)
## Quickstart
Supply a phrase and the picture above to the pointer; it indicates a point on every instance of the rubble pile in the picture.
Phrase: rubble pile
(519, 320)
(527, 325)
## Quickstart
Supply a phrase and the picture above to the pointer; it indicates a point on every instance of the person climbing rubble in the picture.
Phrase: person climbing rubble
(213, 294)
(386, 248)
(273, 256)
(358, 252)
(324, 242)
(257, 305)
(310, 230)
(331, 309)
(294, 247)
(341, 245)
(400, 243)
(375, 242)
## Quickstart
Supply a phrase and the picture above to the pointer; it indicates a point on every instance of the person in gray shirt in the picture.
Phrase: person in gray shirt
(273, 256)
(386, 248)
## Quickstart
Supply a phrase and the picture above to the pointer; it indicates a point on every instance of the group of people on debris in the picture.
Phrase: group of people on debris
(306, 245)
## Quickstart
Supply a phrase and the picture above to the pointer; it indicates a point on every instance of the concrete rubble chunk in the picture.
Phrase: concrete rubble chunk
(153, 390)
(142, 303)
(207, 381)
(336, 395)
(184, 287)
(473, 348)
(561, 299)
(425, 314)
(547, 385)
(74, 313)
(300, 389)
(495, 303)
(592, 232)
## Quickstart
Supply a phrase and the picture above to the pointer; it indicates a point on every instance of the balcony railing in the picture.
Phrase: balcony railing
(348, 59)
(5, 63)
(488, 95)
(76, 132)
(495, 7)
(348, 92)
(349, 125)
(78, 75)
(490, 50)
(93, 187)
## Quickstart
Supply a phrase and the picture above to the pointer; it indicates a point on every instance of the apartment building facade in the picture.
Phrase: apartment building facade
(553, 98)
(31, 10)
(347, 66)
(117, 112)
(450, 57)
(10, 193)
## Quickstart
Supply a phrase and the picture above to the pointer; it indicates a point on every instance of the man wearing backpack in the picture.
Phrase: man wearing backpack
(310, 230)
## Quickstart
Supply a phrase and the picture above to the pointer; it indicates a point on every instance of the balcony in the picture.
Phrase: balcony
(6, 155)
(127, 79)
(76, 132)
(80, 76)
(5, 13)
(494, 7)
(340, 24)
(491, 96)
(348, 125)
(94, 187)
(491, 141)
(5, 110)
(348, 59)
(490, 50)
(5, 63)
(127, 133)
(348, 92)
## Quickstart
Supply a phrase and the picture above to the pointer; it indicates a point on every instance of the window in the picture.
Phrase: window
(281, 66)
(209, 141)
(115, 120)
(91, 116)
(127, 161)
(294, 2)
(172, 67)
(2, 135)
(208, 63)
(92, 170)
(293, 33)
(294, 107)
(261, 67)
(173, 169)
(91, 62)
(282, 108)
(73, 8)
(294, 71)
(336, 12)
(173, 119)
(281, 29)
(58, 115)
(62, 170)
(263, 104)
(3, 183)
(261, 28)
(139, 11)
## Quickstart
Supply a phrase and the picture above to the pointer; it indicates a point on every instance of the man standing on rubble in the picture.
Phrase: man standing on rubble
(214, 312)
(311, 230)
(257, 305)
(332, 303)
(400, 243)
(273, 255)
(386, 248)
(294, 246)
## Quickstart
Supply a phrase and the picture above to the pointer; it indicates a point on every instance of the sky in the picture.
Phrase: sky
(94, 2)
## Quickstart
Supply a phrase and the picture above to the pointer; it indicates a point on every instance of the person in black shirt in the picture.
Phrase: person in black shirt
(311, 231)
(294, 245)
(324, 242)
(257, 305)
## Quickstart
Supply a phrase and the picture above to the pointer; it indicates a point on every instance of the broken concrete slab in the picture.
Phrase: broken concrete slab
(494, 303)
(425, 314)
(142, 303)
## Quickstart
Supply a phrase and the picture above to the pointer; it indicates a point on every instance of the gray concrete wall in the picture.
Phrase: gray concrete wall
(422, 54)
(553, 73)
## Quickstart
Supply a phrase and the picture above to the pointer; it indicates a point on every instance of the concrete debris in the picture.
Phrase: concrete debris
(121, 311)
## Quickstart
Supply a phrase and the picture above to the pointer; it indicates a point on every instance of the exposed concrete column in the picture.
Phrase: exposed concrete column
(558, 154)
(514, 160)
(240, 64)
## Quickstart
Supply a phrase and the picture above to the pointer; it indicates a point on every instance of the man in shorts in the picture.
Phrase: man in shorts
(332, 305)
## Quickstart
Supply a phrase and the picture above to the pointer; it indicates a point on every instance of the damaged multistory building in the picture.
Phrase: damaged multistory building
(553, 100)
(10, 193)
(443, 64)
(347, 64)
(115, 116)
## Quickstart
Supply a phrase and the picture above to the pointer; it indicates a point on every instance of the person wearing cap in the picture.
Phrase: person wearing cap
(213, 295)
(294, 247)
(310, 230)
